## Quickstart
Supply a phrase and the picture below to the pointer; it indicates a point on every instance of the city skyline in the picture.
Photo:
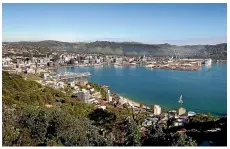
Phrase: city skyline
(146, 23)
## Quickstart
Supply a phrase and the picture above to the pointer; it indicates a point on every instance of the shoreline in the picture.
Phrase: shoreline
(132, 102)
(137, 104)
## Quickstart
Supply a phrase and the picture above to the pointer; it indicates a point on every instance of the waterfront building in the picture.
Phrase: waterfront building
(157, 110)
(181, 111)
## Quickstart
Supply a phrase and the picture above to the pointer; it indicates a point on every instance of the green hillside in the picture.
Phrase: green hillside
(27, 121)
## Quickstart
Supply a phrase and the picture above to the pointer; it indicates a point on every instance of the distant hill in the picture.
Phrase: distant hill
(218, 51)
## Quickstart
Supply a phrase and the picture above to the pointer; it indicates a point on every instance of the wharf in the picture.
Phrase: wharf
(70, 75)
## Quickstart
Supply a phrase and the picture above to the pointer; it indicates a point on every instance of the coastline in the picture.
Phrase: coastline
(131, 102)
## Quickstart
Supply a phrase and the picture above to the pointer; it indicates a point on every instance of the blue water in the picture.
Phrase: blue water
(203, 91)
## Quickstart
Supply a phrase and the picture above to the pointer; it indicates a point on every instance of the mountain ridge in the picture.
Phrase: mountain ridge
(217, 51)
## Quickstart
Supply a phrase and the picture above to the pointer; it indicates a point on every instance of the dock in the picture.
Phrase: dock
(72, 76)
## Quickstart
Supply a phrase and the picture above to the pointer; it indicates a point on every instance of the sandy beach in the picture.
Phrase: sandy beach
(131, 102)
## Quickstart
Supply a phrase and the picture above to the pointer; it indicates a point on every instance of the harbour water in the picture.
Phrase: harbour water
(203, 91)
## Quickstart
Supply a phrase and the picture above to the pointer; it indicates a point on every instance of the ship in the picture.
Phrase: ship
(180, 100)
(208, 62)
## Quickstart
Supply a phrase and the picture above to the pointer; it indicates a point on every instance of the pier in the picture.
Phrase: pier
(67, 76)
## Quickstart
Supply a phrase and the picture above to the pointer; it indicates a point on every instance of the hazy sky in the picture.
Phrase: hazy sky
(147, 23)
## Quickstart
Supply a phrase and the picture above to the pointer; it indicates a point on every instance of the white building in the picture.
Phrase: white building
(157, 110)
(84, 95)
(181, 111)
(108, 96)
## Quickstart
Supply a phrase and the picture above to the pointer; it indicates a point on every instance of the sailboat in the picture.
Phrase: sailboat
(180, 100)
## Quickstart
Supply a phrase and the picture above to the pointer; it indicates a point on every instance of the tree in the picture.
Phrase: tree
(133, 137)
(103, 118)
(154, 136)
(184, 140)
(180, 139)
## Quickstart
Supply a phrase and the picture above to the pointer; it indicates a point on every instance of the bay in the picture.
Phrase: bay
(203, 91)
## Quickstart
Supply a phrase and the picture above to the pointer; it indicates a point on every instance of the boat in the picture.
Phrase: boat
(117, 65)
(208, 62)
(180, 100)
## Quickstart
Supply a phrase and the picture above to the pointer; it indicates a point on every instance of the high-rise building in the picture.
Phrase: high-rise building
(181, 111)
(157, 110)
(108, 96)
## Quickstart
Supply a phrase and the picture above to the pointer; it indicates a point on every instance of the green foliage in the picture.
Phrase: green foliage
(156, 137)
(103, 118)
(68, 90)
(78, 109)
(124, 113)
(99, 88)
(186, 141)
(18, 90)
(133, 137)
(140, 117)
(53, 126)
(204, 118)
(26, 121)
(10, 131)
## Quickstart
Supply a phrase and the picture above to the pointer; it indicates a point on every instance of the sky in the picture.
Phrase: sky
(147, 23)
